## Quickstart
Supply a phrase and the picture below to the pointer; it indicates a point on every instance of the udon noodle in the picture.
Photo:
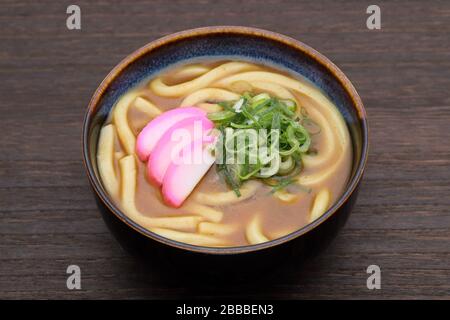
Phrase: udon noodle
(213, 214)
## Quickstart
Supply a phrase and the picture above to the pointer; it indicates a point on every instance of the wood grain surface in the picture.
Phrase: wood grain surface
(48, 217)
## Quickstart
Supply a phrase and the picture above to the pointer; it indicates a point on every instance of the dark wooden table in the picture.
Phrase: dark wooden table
(48, 218)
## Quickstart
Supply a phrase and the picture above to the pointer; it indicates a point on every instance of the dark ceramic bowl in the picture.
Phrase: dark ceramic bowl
(235, 43)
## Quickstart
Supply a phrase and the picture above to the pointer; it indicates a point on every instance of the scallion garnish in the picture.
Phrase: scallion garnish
(282, 140)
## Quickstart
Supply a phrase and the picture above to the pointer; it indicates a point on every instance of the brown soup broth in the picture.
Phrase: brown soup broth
(277, 218)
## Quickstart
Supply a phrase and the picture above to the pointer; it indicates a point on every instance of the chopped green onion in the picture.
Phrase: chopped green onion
(286, 166)
(290, 104)
(286, 137)
(221, 115)
(261, 96)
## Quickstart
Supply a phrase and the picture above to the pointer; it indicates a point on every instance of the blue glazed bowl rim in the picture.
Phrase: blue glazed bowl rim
(237, 30)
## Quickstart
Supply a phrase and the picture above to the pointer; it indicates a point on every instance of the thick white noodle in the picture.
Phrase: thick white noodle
(254, 232)
(105, 160)
(129, 177)
(320, 204)
(120, 119)
(247, 190)
(208, 95)
(178, 90)
(191, 238)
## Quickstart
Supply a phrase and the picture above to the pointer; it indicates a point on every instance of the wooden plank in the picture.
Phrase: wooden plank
(48, 218)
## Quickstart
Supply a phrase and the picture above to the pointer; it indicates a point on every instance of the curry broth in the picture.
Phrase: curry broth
(278, 218)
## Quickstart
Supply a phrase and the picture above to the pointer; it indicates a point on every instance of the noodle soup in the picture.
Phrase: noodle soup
(290, 153)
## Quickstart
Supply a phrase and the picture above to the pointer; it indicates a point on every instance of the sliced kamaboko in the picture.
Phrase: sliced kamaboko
(155, 129)
(182, 176)
(189, 131)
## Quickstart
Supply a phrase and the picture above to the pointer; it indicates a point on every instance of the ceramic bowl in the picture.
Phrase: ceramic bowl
(235, 43)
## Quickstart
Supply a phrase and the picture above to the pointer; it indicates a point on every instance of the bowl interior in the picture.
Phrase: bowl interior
(268, 49)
